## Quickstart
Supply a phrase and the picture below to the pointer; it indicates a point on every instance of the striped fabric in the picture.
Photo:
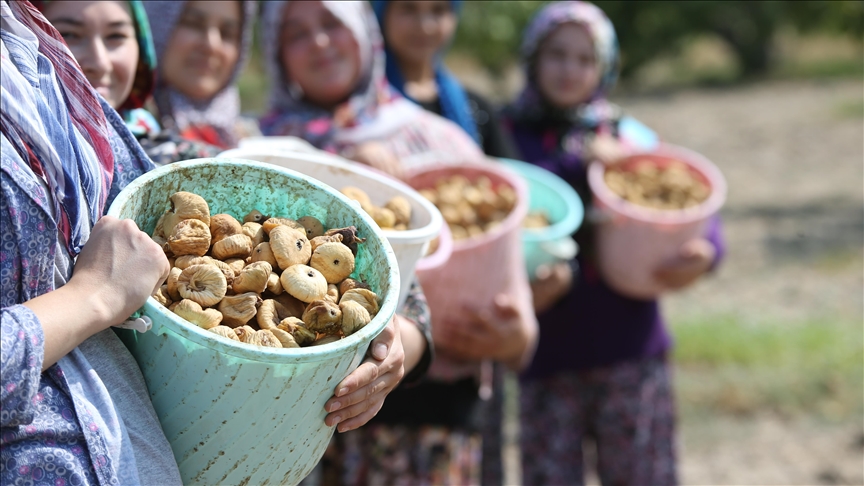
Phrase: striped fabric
(70, 150)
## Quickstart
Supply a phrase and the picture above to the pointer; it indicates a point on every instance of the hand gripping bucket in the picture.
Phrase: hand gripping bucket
(633, 241)
(410, 245)
(478, 268)
(558, 200)
(233, 413)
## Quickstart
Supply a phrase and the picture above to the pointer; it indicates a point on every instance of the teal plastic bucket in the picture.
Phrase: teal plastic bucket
(234, 413)
(548, 193)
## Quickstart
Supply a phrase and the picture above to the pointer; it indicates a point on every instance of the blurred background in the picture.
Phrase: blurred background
(769, 354)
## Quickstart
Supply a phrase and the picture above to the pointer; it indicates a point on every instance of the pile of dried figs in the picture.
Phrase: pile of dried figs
(394, 215)
(647, 184)
(536, 220)
(267, 281)
(470, 208)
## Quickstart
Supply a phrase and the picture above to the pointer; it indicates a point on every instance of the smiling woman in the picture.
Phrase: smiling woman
(201, 47)
(101, 36)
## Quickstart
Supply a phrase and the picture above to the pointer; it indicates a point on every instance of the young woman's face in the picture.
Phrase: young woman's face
(417, 30)
(319, 53)
(204, 48)
(101, 36)
(567, 69)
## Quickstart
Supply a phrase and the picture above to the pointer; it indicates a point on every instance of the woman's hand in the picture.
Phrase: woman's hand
(375, 154)
(122, 265)
(118, 268)
(361, 394)
(495, 333)
(606, 149)
(551, 282)
(694, 259)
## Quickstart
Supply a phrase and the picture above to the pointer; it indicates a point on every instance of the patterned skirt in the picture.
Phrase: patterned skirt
(627, 409)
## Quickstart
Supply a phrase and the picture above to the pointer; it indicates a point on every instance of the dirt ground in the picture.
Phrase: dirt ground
(793, 156)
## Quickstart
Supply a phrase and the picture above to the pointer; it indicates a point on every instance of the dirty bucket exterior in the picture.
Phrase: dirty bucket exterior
(233, 413)
(410, 245)
(479, 268)
(558, 200)
(633, 241)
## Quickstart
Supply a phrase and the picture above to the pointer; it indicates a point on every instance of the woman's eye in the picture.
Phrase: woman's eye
(68, 36)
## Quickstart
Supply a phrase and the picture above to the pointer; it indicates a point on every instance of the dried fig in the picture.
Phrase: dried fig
(258, 338)
(295, 306)
(223, 226)
(256, 232)
(274, 222)
(289, 246)
(263, 253)
(354, 317)
(401, 209)
(313, 226)
(274, 285)
(161, 296)
(204, 284)
(304, 282)
(302, 335)
(253, 278)
(190, 237)
(271, 313)
(350, 283)
(191, 206)
(192, 312)
(334, 260)
(364, 297)
(322, 316)
(285, 338)
(332, 293)
(384, 218)
(234, 246)
(320, 240)
(237, 310)
(236, 264)
(225, 331)
(349, 237)
(358, 195)
(255, 216)
(171, 283)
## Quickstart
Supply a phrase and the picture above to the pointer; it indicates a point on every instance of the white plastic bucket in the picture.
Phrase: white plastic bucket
(410, 245)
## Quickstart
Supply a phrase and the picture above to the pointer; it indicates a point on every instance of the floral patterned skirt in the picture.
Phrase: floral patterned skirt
(627, 409)
(379, 454)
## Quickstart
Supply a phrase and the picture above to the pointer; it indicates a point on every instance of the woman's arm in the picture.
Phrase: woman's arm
(118, 268)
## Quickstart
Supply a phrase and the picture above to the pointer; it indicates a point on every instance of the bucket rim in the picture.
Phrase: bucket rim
(409, 236)
(227, 346)
(693, 159)
(510, 176)
(575, 215)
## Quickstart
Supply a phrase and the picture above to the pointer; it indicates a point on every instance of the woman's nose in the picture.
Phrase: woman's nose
(212, 38)
(321, 39)
(95, 62)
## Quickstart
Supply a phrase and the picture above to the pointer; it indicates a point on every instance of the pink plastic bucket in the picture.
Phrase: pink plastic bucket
(481, 267)
(633, 241)
(441, 254)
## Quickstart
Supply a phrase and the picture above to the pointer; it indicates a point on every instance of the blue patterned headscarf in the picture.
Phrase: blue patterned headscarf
(451, 95)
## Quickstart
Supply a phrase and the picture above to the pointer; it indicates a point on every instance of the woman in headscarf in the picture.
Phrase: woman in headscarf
(327, 65)
(75, 406)
(601, 368)
(416, 35)
(202, 47)
(112, 43)
(335, 95)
